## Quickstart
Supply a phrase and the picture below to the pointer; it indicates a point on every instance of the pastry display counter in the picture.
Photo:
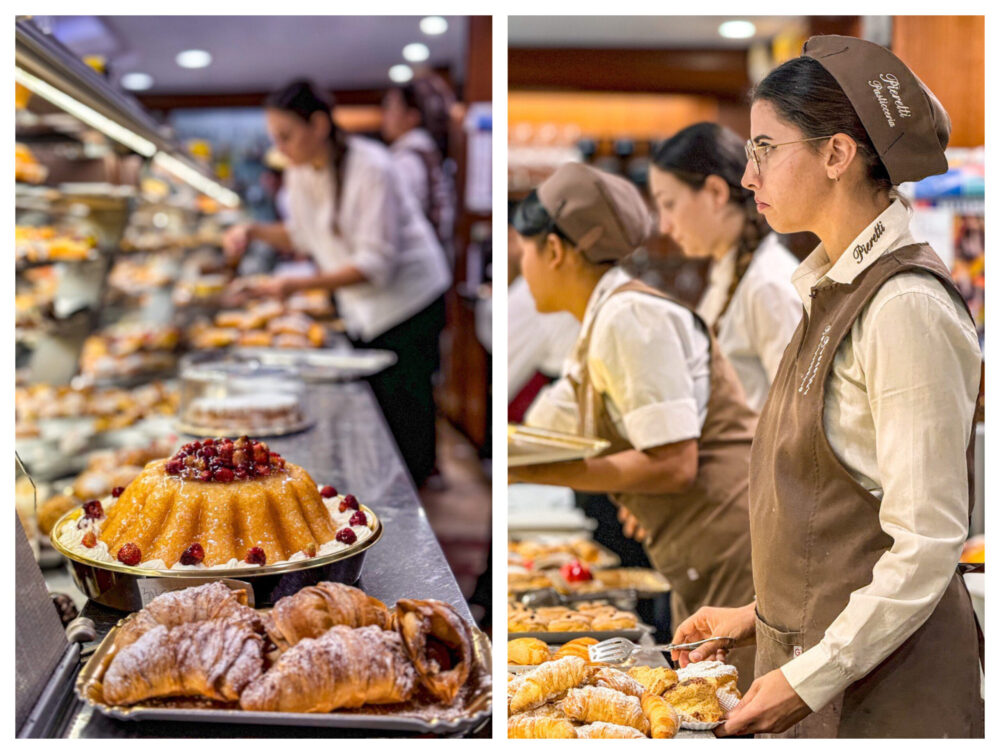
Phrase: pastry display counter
(350, 447)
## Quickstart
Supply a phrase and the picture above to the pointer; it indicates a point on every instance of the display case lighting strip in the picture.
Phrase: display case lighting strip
(86, 114)
(126, 137)
(196, 180)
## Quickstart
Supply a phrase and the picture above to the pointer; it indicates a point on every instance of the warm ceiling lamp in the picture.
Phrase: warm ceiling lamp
(433, 25)
(194, 59)
(737, 29)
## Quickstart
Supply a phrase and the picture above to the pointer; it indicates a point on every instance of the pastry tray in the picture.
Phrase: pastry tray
(527, 446)
(470, 711)
(323, 364)
(607, 559)
(561, 637)
(277, 430)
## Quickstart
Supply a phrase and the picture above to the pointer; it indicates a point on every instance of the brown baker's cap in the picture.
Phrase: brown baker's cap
(604, 215)
(907, 125)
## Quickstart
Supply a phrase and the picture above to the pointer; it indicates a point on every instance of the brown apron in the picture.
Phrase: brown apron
(700, 539)
(817, 536)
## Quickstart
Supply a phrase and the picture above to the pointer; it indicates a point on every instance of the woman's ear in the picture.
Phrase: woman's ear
(717, 191)
(840, 151)
(555, 250)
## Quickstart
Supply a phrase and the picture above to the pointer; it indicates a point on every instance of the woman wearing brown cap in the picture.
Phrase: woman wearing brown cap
(859, 485)
(647, 375)
(749, 301)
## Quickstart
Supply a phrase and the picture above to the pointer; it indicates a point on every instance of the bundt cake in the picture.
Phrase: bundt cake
(218, 503)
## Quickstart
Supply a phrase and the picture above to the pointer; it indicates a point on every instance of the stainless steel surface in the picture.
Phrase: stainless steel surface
(561, 637)
(619, 649)
(273, 431)
(471, 708)
(323, 364)
(350, 448)
(549, 597)
(527, 446)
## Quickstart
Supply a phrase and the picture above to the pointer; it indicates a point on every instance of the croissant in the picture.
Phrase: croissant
(577, 648)
(607, 730)
(345, 667)
(655, 680)
(528, 726)
(663, 719)
(438, 642)
(617, 680)
(214, 659)
(213, 601)
(310, 612)
(527, 652)
(547, 681)
(593, 704)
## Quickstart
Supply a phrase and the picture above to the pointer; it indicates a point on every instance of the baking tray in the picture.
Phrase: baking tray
(527, 446)
(323, 364)
(471, 709)
(278, 430)
(607, 558)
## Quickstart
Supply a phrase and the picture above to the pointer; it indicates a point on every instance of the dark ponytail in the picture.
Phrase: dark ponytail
(302, 99)
(703, 149)
(430, 96)
(806, 95)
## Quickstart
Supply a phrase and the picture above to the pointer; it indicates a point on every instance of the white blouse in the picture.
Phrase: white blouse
(536, 342)
(898, 414)
(382, 232)
(761, 318)
(650, 360)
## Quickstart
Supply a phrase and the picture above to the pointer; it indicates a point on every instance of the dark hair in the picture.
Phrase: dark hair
(806, 95)
(430, 96)
(703, 149)
(303, 99)
(532, 220)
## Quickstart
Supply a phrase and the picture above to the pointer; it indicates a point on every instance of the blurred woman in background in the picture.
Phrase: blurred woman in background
(749, 301)
(374, 250)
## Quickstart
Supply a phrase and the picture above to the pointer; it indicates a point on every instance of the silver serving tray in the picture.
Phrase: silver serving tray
(561, 637)
(527, 446)
(277, 430)
(471, 713)
(323, 364)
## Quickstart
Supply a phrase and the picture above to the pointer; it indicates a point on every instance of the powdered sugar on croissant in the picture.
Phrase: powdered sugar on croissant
(593, 704)
(312, 611)
(548, 681)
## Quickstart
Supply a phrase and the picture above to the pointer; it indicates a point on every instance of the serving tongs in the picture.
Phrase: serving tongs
(549, 597)
(619, 649)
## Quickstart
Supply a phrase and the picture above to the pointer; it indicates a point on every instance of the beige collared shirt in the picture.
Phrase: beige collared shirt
(650, 360)
(898, 414)
(761, 318)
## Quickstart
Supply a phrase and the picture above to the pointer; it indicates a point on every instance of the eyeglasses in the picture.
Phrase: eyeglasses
(755, 152)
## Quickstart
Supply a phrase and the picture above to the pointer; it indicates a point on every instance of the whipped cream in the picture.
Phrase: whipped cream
(71, 537)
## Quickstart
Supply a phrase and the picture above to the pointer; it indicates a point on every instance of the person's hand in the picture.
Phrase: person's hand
(770, 706)
(235, 241)
(271, 287)
(631, 527)
(735, 622)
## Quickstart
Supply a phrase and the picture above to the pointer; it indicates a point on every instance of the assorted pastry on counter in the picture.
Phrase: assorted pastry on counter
(577, 577)
(569, 697)
(217, 503)
(327, 647)
(586, 616)
(129, 349)
(48, 244)
(554, 553)
(265, 324)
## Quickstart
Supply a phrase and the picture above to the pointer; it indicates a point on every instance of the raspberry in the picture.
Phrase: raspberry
(262, 469)
(129, 554)
(328, 491)
(349, 501)
(89, 539)
(193, 555)
(205, 476)
(347, 536)
(359, 519)
(93, 509)
(117, 491)
(175, 466)
(223, 475)
(255, 556)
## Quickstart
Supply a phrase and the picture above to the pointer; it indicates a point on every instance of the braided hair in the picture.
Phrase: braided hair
(303, 99)
(703, 149)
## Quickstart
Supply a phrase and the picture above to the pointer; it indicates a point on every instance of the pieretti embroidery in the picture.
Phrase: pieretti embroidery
(810, 375)
(861, 250)
(891, 84)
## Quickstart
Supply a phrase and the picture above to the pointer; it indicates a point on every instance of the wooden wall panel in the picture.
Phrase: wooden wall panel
(948, 53)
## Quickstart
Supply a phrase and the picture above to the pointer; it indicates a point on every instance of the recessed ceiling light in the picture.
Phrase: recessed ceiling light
(401, 73)
(433, 25)
(416, 52)
(136, 81)
(194, 59)
(737, 29)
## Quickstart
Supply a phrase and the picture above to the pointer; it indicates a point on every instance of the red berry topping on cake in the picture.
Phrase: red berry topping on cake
(310, 550)
(359, 519)
(347, 536)
(328, 491)
(93, 509)
(349, 501)
(223, 460)
(129, 554)
(193, 555)
(117, 491)
(255, 556)
(89, 539)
